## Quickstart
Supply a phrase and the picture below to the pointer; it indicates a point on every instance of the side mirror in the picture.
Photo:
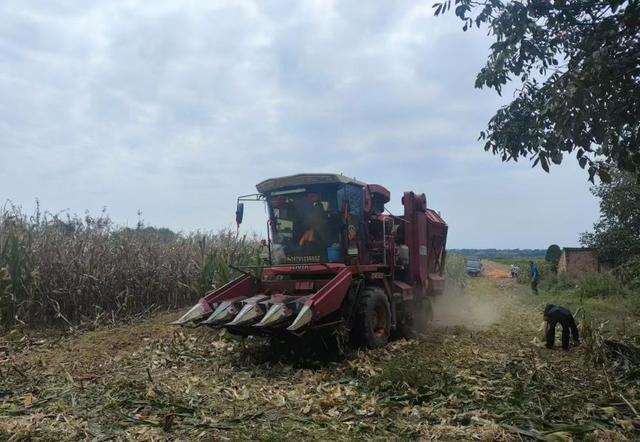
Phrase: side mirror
(239, 213)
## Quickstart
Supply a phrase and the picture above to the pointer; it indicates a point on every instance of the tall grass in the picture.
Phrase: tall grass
(455, 272)
(603, 285)
(601, 298)
(587, 285)
(62, 268)
(558, 283)
(629, 273)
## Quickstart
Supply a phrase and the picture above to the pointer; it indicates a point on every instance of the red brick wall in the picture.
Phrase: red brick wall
(580, 261)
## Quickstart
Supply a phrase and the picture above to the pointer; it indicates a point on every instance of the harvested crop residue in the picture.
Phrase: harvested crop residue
(152, 382)
(496, 270)
(498, 274)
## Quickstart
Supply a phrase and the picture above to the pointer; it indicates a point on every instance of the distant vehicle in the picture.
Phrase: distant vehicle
(473, 267)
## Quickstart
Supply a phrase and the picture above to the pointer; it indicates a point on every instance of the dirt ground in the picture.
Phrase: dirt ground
(481, 374)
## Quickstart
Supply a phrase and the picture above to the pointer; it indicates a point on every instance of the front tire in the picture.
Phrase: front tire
(373, 318)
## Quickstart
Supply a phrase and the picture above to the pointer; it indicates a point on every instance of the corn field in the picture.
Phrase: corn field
(69, 269)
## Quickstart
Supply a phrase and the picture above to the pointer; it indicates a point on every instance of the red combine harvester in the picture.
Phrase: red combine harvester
(335, 260)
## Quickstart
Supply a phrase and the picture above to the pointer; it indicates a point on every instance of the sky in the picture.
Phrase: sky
(174, 108)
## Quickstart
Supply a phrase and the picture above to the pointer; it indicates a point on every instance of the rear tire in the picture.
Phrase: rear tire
(373, 319)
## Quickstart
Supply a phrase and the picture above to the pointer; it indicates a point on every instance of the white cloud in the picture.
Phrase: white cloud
(177, 107)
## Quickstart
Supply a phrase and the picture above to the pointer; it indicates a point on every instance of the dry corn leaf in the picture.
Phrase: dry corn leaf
(29, 400)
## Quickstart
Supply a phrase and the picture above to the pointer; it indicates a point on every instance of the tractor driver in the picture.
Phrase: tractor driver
(312, 239)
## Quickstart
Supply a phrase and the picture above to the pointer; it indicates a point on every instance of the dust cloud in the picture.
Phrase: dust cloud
(457, 308)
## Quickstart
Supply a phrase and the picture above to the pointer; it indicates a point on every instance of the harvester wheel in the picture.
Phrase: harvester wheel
(373, 318)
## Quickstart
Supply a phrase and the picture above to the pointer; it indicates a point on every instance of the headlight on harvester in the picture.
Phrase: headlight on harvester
(196, 312)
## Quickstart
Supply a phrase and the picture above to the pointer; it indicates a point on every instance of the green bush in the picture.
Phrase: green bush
(554, 252)
(629, 273)
(600, 285)
(558, 283)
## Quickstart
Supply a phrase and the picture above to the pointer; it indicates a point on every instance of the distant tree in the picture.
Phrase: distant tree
(499, 253)
(616, 235)
(577, 62)
(553, 254)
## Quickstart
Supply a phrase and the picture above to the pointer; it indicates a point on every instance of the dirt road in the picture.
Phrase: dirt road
(479, 375)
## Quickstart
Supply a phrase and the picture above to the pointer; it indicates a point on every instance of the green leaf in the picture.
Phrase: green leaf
(604, 176)
(589, 106)
(556, 157)
(582, 161)
(544, 163)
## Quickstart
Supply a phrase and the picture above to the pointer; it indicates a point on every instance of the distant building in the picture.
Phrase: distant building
(575, 260)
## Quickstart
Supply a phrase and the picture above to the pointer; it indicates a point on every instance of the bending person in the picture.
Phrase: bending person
(554, 314)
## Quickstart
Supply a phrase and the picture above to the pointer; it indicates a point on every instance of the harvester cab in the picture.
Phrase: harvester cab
(335, 259)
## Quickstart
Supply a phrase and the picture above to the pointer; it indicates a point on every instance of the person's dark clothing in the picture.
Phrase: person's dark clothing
(534, 286)
(535, 277)
(554, 314)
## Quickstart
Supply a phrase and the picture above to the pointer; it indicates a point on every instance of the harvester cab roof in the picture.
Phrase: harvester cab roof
(331, 250)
